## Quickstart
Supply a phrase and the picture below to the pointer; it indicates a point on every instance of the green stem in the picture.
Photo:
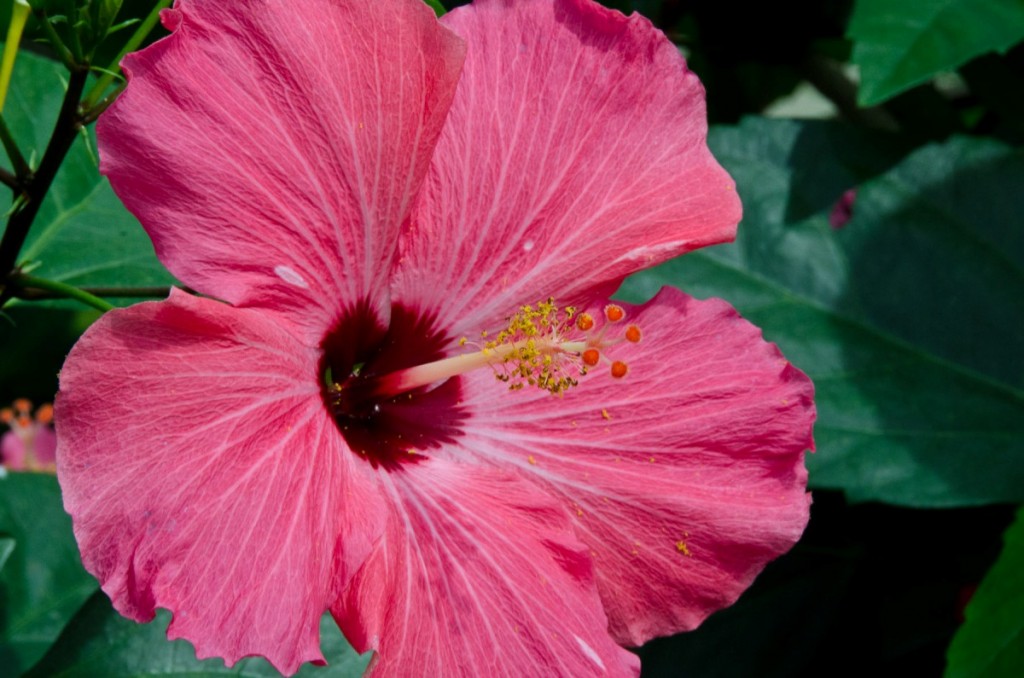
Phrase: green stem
(91, 114)
(122, 292)
(21, 168)
(58, 45)
(133, 43)
(69, 291)
(19, 15)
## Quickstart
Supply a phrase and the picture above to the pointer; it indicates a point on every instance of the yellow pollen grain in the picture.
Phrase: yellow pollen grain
(604, 413)
(683, 548)
(650, 459)
(532, 460)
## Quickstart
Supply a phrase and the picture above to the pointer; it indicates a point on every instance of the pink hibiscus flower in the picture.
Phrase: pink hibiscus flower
(360, 191)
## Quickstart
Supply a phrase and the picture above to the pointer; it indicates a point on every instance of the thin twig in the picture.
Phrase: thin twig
(64, 133)
(21, 168)
(828, 78)
(133, 43)
(22, 282)
(9, 179)
(38, 294)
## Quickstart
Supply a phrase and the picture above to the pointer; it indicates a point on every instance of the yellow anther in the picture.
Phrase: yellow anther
(533, 348)
(585, 322)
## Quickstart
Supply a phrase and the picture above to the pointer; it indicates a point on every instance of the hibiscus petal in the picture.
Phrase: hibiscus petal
(574, 154)
(272, 149)
(204, 475)
(478, 575)
(12, 451)
(684, 478)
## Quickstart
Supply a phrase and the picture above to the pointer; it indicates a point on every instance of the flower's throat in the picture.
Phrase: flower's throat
(542, 346)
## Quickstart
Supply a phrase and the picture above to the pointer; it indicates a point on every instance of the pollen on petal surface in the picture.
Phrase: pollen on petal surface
(574, 154)
(478, 574)
(683, 479)
(272, 149)
(203, 475)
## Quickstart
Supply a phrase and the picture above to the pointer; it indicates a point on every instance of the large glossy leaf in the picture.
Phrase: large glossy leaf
(100, 642)
(901, 44)
(909, 320)
(436, 5)
(991, 641)
(82, 235)
(42, 583)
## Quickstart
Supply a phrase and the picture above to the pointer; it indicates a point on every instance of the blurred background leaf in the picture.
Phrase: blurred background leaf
(42, 584)
(100, 642)
(909, 319)
(901, 44)
(991, 642)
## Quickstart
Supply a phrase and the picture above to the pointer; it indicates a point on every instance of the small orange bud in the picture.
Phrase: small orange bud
(619, 369)
(591, 356)
(585, 322)
(44, 415)
(633, 334)
(614, 313)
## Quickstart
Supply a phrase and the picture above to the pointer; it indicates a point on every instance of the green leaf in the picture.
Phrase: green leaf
(909, 319)
(436, 5)
(100, 642)
(901, 44)
(83, 236)
(990, 644)
(42, 583)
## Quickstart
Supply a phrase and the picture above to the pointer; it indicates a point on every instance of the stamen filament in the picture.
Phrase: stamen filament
(401, 381)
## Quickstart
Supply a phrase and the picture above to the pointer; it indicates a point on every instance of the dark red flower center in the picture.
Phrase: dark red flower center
(388, 431)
